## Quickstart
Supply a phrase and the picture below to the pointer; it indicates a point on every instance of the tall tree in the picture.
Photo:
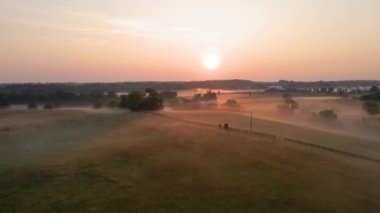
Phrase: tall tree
(4, 102)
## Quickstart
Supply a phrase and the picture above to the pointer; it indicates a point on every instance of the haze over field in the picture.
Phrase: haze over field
(93, 40)
(75, 161)
(189, 106)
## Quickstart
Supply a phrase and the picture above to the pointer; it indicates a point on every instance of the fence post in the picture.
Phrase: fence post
(251, 121)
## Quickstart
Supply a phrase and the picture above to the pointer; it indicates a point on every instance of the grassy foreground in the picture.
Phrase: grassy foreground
(72, 161)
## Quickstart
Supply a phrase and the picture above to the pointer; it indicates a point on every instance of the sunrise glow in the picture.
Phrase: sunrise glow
(211, 61)
(50, 41)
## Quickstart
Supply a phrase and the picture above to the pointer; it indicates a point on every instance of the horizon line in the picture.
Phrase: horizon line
(178, 81)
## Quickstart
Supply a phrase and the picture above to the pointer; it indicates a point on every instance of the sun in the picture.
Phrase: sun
(211, 61)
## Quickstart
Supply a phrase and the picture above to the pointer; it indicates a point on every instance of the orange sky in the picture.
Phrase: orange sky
(165, 40)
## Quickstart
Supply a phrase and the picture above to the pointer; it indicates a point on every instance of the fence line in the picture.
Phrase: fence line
(256, 133)
(333, 150)
(272, 136)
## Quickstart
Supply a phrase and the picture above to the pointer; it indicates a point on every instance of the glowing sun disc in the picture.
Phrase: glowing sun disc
(211, 61)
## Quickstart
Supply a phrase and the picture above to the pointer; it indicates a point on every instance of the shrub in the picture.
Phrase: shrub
(32, 105)
(371, 107)
(231, 102)
(48, 106)
(226, 126)
(56, 105)
(375, 96)
(98, 105)
(197, 97)
(328, 114)
(209, 96)
(5, 129)
(287, 96)
(112, 104)
(288, 106)
(292, 104)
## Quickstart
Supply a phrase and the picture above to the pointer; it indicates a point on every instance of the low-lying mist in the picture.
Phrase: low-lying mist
(351, 119)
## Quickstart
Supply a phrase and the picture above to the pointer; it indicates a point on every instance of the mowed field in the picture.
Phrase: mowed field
(78, 161)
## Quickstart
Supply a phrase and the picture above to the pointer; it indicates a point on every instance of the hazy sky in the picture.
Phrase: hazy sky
(124, 40)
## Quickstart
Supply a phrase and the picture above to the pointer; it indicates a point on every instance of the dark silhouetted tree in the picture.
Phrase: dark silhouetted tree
(292, 104)
(287, 95)
(4, 102)
(288, 106)
(328, 114)
(153, 101)
(97, 105)
(132, 101)
(197, 97)
(209, 96)
(96, 94)
(111, 94)
(32, 105)
(371, 97)
(151, 92)
(371, 107)
(112, 104)
(123, 102)
(374, 89)
(231, 102)
(65, 95)
(135, 100)
(48, 106)
(226, 126)
(167, 94)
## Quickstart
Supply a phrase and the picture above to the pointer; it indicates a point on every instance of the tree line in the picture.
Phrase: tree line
(178, 85)
(371, 101)
(148, 99)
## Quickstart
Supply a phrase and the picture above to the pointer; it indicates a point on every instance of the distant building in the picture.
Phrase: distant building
(275, 89)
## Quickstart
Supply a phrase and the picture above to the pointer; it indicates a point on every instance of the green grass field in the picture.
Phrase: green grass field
(74, 161)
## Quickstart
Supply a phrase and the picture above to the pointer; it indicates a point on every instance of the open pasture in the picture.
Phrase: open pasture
(77, 161)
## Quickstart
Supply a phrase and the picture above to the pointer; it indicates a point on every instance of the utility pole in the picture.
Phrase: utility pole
(251, 121)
